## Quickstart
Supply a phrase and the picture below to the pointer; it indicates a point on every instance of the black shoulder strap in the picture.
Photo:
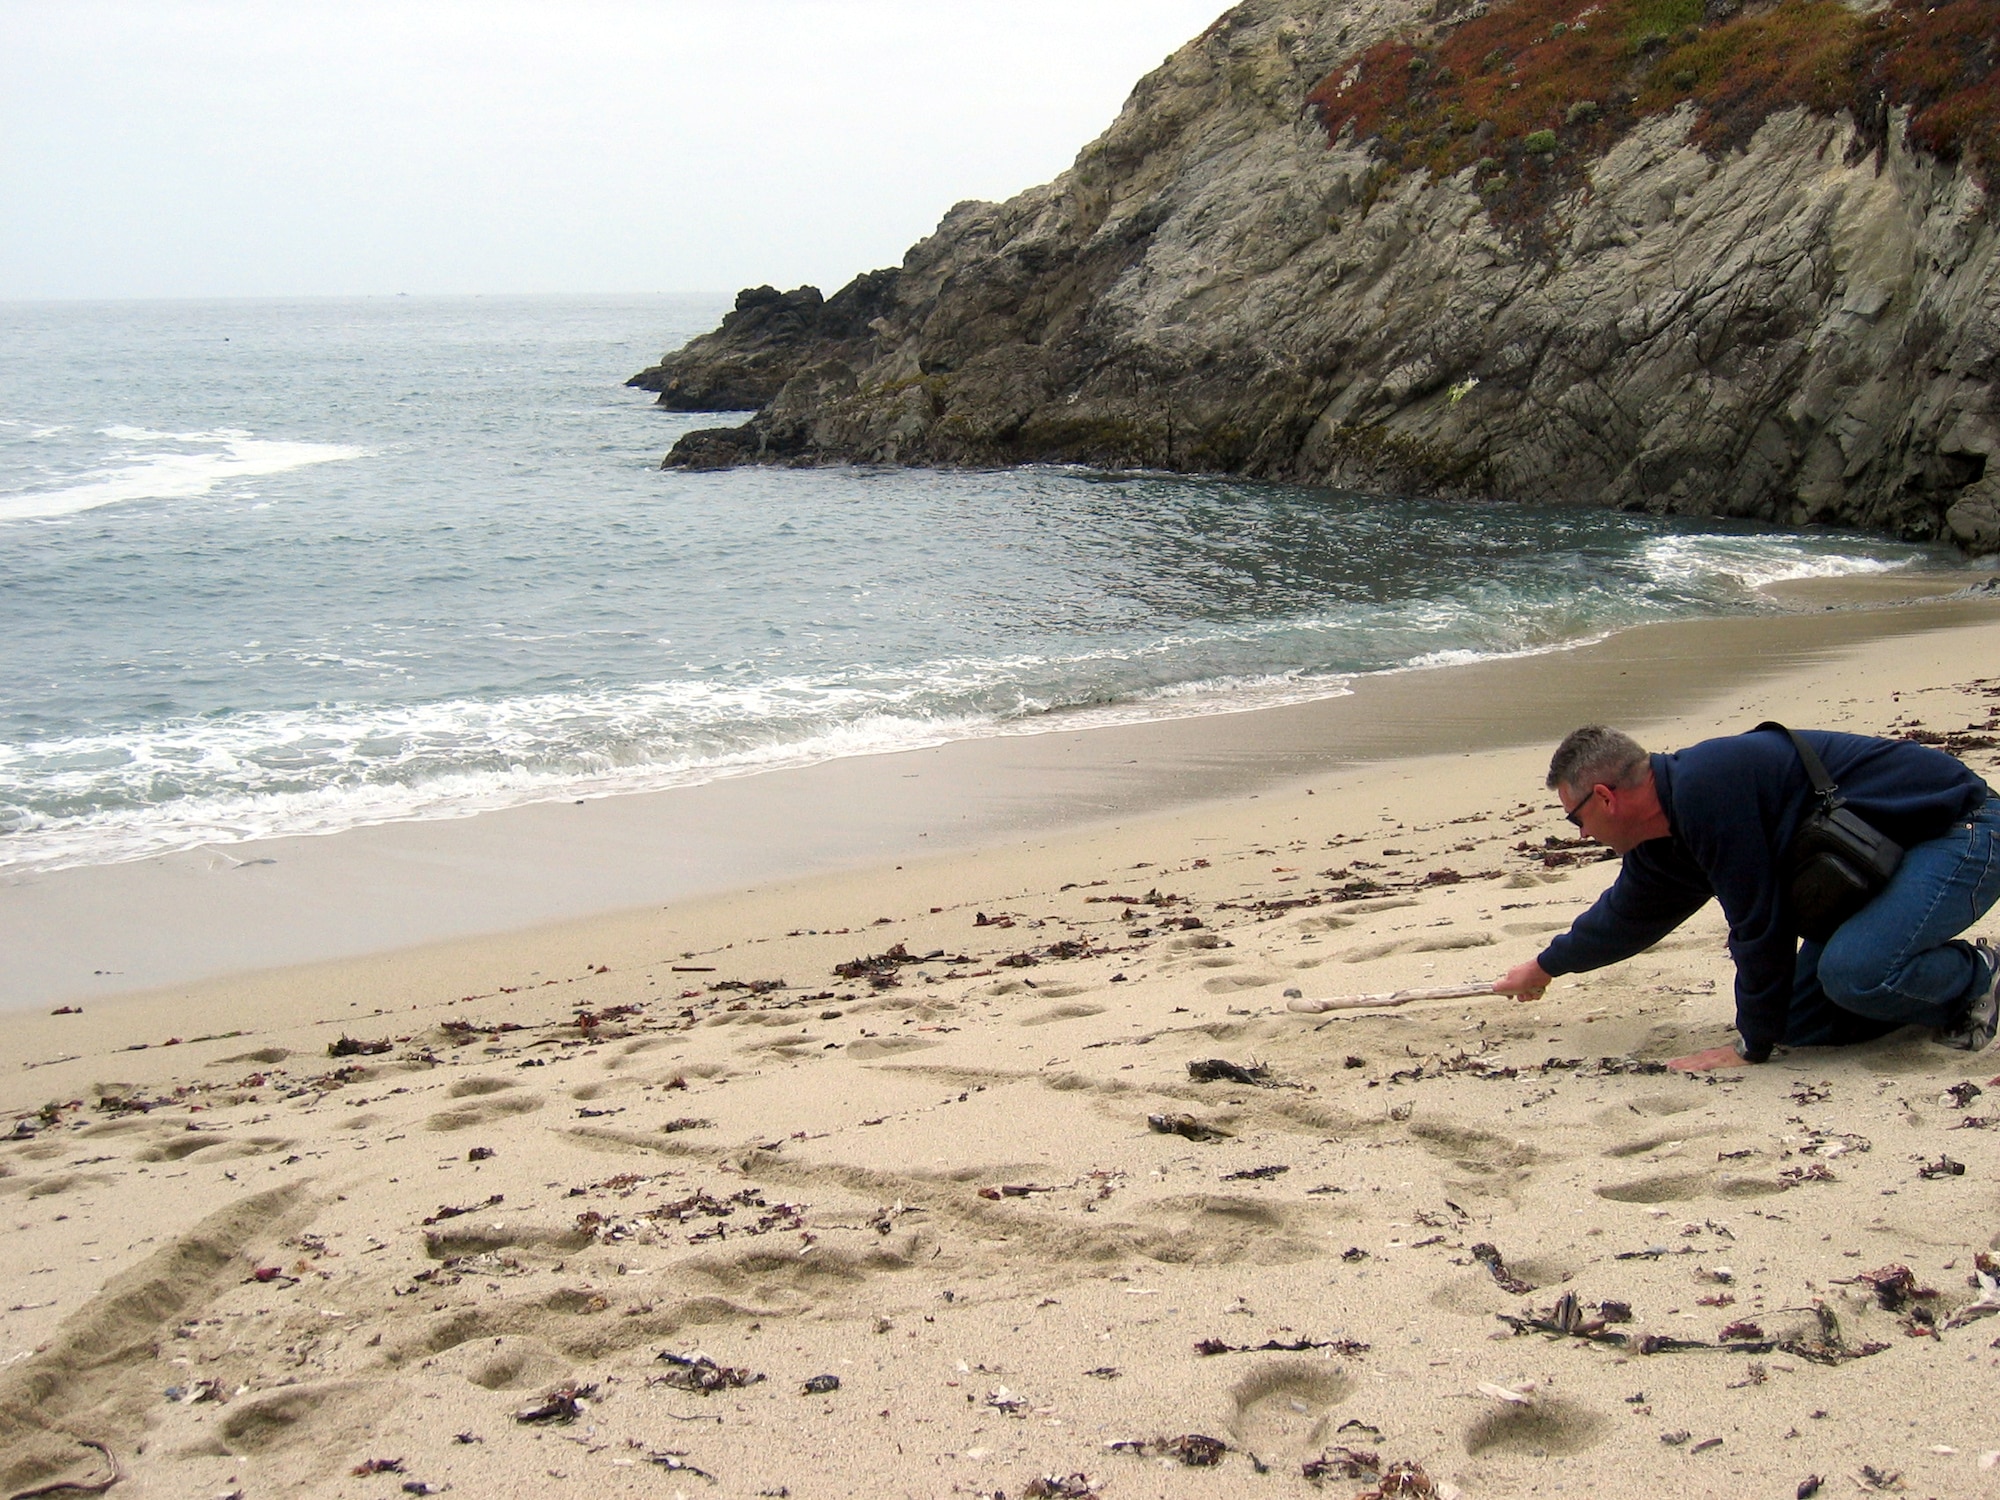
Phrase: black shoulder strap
(1822, 784)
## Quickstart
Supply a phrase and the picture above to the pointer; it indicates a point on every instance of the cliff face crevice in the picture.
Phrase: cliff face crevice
(1801, 328)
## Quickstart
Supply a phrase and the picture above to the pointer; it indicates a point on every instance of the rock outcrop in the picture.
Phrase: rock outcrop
(1802, 325)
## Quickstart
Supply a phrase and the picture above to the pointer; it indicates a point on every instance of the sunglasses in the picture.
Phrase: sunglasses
(1575, 814)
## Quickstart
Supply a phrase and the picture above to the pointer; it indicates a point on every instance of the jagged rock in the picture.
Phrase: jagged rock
(761, 345)
(1805, 329)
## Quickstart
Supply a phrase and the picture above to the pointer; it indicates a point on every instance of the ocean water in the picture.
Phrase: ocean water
(290, 567)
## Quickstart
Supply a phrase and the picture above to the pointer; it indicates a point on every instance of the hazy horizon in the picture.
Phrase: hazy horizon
(198, 149)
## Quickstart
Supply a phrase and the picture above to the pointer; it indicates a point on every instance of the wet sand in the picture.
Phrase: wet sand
(84, 934)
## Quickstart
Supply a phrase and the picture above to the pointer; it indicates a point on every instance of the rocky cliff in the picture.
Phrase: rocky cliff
(1638, 253)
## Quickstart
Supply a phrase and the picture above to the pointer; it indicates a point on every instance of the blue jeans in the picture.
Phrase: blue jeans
(1894, 963)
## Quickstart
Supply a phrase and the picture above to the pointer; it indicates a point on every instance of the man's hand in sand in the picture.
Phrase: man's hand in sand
(1523, 981)
(1714, 1057)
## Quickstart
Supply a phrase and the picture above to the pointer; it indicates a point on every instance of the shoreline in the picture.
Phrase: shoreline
(383, 889)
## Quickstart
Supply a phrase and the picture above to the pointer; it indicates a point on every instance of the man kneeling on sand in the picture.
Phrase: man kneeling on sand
(1720, 819)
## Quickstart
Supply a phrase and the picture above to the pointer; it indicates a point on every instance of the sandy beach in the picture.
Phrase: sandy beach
(958, 1139)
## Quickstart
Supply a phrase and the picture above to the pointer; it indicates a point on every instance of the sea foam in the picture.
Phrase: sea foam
(209, 459)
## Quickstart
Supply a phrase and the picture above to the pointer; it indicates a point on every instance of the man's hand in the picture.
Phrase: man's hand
(1714, 1057)
(1523, 981)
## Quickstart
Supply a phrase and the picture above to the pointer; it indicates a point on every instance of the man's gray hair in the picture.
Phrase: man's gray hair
(1596, 754)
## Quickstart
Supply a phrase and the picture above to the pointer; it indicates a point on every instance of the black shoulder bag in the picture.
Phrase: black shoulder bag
(1838, 860)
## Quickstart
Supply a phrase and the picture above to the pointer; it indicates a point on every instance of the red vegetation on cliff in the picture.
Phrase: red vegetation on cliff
(1528, 89)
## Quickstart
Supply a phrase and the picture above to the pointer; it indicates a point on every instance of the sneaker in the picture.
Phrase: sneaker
(1975, 1028)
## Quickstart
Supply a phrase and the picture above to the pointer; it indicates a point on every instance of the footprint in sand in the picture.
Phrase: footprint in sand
(1490, 1164)
(888, 1046)
(473, 1088)
(506, 1363)
(1280, 1411)
(633, 1048)
(484, 1112)
(1664, 1187)
(1614, 1116)
(481, 1236)
(1679, 1187)
(1436, 943)
(1662, 1141)
(265, 1055)
(298, 1415)
(1061, 1013)
(49, 1187)
(1224, 984)
(1549, 1427)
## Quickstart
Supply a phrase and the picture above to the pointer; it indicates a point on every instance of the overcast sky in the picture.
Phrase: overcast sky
(170, 148)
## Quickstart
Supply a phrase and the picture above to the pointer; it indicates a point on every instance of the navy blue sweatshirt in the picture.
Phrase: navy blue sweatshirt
(1733, 806)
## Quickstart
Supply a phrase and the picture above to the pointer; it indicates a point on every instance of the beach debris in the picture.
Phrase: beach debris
(1104, 1372)
(1894, 1286)
(686, 1122)
(1828, 1347)
(1013, 1190)
(414, 1487)
(1675, 1438)
(1221, 1070)
(1960, 1095)
(1003, 1400)
(560, 1406)
(880, 969)
(820, 1385)
(1406, 1480)
(1274, 1346)
(1196, 1450)
(349, 1046)
(1512, 1396)
(79, 1486)
(1187, 1126)
(1986, 1277)
(1568, 1319)
(1060, 1487)
(481, 1153)
(199, 1392)
(1944, 1166)
(1881, 1479)
(1812, 1093)
(369, 1466)
(1342, 1462)
(1705, 1445)
(467, 1438)
(1741, 1331)
(448, 1211)
(700, 1374)
(674, 1461)
(1809, 1486)
(1256, 1174)
(1489, 1256)
(1310, 1007)
(1755, 1375)
(1817, 1171)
